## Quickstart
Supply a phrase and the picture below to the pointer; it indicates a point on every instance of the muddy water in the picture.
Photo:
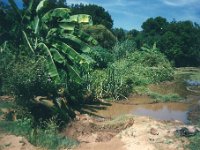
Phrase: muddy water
(160, 111)
(143, 106)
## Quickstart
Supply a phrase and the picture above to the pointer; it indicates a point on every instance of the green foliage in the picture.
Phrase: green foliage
(109, 84)
(137, 68)
(52, 55)
(194, 142)
(119, 33)
(177, 40)
(123, 49)
(103, 57)
(104, 36)
(55, 35)
(164, 98)
(98, 13)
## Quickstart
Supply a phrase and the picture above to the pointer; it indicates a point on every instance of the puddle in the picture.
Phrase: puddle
(164, 112)
(142, 106)
(159, 111)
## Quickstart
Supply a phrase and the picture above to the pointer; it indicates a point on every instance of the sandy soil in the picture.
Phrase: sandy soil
(12, 142)
(133, 133)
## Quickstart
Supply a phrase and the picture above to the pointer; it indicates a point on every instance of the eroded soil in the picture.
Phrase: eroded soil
(126, 133)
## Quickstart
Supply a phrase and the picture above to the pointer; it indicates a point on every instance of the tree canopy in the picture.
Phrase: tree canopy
(98, 13)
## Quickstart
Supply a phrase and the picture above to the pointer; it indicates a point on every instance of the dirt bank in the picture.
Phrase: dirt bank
(126, 133)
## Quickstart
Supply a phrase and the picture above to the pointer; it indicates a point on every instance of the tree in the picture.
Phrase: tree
(132, 34)
(154, 26)
(119, 33)
(98, 13)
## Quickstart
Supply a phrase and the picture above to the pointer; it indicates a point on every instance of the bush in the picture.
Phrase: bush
(102, 57)
(136, 69)
(28, 79)
(123, 49)
(104, 36)
(108, 83)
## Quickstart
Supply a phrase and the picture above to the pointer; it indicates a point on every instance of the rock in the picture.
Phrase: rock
(187, 131)
(154, 131)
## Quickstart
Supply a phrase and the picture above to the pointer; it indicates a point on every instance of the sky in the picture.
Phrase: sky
(130, 14)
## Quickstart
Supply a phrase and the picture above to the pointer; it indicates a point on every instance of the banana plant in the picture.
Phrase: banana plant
(56, 36)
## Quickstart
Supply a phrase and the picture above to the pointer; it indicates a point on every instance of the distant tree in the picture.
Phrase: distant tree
(98, 13)
(181, 43)
(132, 34)
(119, 33)
(153, 26)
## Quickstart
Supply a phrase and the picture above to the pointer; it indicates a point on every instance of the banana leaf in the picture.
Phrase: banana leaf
(58, 13)
(52, 69)
(81, 18)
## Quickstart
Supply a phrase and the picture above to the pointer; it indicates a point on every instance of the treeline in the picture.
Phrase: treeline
(178, 40)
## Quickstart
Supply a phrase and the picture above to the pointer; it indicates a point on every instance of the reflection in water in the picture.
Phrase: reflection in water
(163, 114)
(160, 111)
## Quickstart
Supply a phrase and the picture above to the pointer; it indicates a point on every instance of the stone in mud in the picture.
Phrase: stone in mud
(154, 131)
(187, 131)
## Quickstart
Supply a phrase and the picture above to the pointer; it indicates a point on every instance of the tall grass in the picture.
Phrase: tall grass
(135, 69)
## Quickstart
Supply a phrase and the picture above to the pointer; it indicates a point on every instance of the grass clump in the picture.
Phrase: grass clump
(194, 142)
(164, 98)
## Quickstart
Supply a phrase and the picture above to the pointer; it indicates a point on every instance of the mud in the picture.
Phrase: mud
(126, 133)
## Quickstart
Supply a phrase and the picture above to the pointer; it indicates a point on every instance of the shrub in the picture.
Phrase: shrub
(102, 57)
(123, 49)
(34, 90)
(104, 36)
(136, 69)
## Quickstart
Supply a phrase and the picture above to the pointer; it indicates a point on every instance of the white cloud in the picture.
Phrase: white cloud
(179, 2)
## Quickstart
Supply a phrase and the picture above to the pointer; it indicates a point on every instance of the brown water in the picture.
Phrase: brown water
(143, 106)
(160, 111)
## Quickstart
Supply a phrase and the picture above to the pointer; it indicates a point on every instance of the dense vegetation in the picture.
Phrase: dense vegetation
(178, 40)
(54, 59)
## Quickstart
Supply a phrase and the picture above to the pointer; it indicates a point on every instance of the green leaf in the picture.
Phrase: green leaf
(57, 14)
(69, 52)
(27, 41)
(77, 43)
(67, 26)
(81, 18)
(41, 7)
(57, 56)
(85, 37)
(52, 69)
